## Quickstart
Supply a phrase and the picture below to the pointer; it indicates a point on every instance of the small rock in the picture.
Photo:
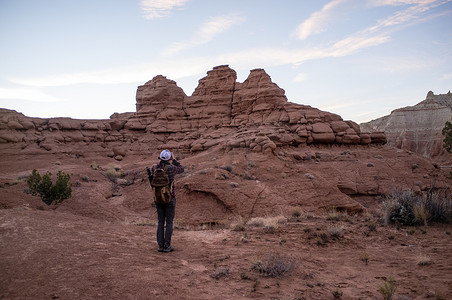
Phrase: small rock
(297, 157)
(309, 176)
(370, 164)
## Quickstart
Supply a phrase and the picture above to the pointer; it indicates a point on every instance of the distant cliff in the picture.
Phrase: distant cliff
(416, 128)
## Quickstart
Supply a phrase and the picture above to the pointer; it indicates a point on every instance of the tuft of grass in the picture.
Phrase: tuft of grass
(274, 265)
(335, 231)
(269, 224)
(365, 258)
(407, 208)
(423, 260)
(337, 294)
(387, 288)
(221, 272)
(238, 225)
(114, 172)
(335, 215)
(323, 239)
(295, 212)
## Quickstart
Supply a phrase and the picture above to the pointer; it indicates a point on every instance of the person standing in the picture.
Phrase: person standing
(166, 212)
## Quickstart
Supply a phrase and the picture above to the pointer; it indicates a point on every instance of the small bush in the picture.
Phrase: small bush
(238, 225)
(50, 193)
(221, 272)
(337, 294)
(269, 224)
(406, 208)
(274, 265)
(295, 212)
(114, 172)
(423, 260)
(335, 231)
(387, 288)
(365, 258)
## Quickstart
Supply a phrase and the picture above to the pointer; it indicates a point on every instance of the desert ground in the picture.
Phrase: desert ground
(101, 244)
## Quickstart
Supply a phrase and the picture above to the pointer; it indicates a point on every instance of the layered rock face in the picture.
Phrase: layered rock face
(246, 149)
(220, 105)
(254, 114)
(417, 128)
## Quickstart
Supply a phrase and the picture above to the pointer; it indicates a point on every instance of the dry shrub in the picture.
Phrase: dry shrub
(238, 225)
(114, 172)
(295, 212)
(270, 224)
(221, 272)
(335, 215)
(423, 260)
(407, 208)
(335, 231)
(274, 265)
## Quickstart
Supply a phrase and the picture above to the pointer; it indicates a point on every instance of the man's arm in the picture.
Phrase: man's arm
(150, 174)
(177, 167)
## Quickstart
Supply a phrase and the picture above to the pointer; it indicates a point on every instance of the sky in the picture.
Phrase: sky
(360, 59)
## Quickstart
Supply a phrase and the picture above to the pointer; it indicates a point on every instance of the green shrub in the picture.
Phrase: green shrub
(387, 288)
(447, 132)
(50, 193)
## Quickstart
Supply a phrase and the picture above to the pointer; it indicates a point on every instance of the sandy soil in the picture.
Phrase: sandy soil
(52, 255)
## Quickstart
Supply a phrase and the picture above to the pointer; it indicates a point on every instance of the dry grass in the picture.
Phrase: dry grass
(295, 212)
(114, 172)
(269, 224)
(423, 260)
(238, 225)
(274, 265)
(387, 288)
(335, 231)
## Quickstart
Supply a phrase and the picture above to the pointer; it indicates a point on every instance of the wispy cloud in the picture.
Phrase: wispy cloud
(29, 94)
(250, 58)
(207, 32)
(154, 9)
(300, 77)
(319, 20)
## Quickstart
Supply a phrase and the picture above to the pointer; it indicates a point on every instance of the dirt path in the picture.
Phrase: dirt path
(52, 255)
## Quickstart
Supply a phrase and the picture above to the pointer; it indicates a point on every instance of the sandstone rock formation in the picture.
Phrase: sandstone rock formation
(417, 128)
(247, 151)
(254, 114)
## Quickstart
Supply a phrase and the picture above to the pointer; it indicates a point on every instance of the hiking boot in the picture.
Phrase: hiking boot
(168, 248)
(161, 248)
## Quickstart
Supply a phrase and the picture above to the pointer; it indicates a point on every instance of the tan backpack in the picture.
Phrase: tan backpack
(161, 186)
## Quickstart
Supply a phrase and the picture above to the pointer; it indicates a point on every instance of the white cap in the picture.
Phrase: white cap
(165, 155)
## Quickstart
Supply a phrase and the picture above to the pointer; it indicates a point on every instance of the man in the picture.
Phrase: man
(166, 212)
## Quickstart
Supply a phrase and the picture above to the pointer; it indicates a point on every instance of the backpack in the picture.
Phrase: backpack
(161, 186)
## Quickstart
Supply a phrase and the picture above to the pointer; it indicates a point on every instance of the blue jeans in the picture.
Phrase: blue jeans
(166, 214)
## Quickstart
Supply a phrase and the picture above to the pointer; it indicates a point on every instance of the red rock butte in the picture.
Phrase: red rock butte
(247, 152)
(254, 114)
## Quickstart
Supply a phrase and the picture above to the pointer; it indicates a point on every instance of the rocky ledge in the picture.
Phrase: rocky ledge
(221, 112)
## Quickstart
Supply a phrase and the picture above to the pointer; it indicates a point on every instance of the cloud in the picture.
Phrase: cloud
(29, 94)
(247, 59)
(318, 21)
(207, 32)
(154, 9)
(300, 77)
